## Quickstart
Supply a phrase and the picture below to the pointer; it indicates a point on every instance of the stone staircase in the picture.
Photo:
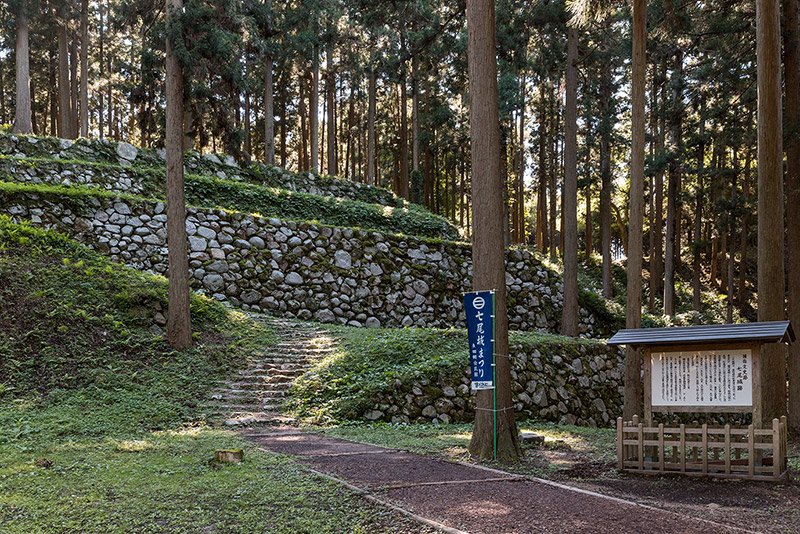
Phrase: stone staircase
(256, 394)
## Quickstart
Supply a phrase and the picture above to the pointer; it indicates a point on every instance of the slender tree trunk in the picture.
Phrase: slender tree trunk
(402, 186)
(371, 112)
(770, 206)
(269, 112)
(552, 196)
(745, 228)
(84, 88)
(542, 239)
(698, 213)
(74, 85)
(314, 111)
(791, 62)
(303, 157)
(2, 92)
(22, 112)
(64, 97)
(605, 179)
(673, 188)
(488, 253)
(330, 89)
(657, 261)
(101, 45)
(633, 316)
(569, 316)
(415, 114)
(179, 325)
(520, 203)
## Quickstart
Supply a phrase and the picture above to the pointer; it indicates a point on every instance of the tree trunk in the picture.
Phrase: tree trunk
(179, 325)
(770, 206)
(488, 253)
(657, 258)
(101, 44)
(542, 241)
(673, 189)
(791, 62)
(415, 114)
(64, 96)
(371, 112)
(745, 228)
(84, 89)
(633, 315)
(569, 316)
(314, 111)
(520, 191)
(606, 130)
(330, 93)
(698, 213)
(74, 85)
(302, 160)
(401, 187)
(22, 112)
(269, 112)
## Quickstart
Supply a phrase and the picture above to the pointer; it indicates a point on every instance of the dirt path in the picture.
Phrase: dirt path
(463, 498)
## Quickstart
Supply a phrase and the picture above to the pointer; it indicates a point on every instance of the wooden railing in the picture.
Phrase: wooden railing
(725, 452)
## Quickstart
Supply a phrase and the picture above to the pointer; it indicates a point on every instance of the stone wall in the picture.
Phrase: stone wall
(567, 382)
(332, 275)
(114, 157)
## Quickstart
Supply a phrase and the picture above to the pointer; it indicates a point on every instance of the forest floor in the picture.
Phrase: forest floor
(584, 458)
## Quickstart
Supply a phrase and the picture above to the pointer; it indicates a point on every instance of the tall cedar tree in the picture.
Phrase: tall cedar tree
(179, 324)
(770, 206)
(488, 254)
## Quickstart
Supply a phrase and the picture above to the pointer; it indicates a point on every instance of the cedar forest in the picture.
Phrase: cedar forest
(377, 92)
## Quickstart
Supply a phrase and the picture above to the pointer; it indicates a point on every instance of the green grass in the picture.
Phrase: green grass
(102, 426)
(452, 441)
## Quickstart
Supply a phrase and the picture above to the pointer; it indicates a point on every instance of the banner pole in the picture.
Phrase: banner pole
(494, 373)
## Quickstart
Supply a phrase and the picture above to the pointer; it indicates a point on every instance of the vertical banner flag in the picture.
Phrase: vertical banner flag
(479, 306)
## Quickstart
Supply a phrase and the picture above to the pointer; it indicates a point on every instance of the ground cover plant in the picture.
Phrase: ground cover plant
(102, 426)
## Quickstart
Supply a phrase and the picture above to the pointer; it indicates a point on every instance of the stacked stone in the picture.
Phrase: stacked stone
(577, 384)
(330, 274)
(125, 155)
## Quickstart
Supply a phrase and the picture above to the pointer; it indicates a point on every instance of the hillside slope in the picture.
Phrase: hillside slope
(101, 426)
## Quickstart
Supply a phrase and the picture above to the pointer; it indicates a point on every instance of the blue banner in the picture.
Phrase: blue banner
(479, 306)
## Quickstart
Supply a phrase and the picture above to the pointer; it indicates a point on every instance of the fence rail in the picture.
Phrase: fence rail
(724, 452)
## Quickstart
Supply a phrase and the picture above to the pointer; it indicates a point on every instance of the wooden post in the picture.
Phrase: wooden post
(648, 387)
(620, 438)
(727, 452)
(751, 449)
(776, 448)
(683, 448)
(705, 448)
(784, 443)
(661, 450)
(641, 446)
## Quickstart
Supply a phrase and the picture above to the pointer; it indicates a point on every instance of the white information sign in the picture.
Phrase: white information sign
(702, 378)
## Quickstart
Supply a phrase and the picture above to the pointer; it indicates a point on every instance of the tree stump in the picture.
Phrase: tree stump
(232, 456)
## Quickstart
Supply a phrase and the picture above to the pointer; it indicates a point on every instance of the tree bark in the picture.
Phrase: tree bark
(179, 325)
(22, 112)
(606, 126)
(100, 93)
(673, 188)
(770, 206)
(314, 111)
(84, 87)
(371, 112)
(569, 316)
(542, 239)
(633, 316)
(791, 62)
(698, 213)
(488, 253)
(330, 92)
(64, 96)
(402, 185)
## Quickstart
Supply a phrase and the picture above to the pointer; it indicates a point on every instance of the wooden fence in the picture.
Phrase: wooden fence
(725, 452)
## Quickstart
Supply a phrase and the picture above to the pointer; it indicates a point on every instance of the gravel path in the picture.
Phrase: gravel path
(463, 498)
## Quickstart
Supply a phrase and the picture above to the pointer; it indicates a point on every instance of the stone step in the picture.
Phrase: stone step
(254, 419)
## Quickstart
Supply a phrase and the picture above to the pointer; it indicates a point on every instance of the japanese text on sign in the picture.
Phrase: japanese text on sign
(479, 307)
(702, 378)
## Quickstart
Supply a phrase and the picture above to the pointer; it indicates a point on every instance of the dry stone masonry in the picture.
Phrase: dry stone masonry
(573, 383)
(302, 270)
(115, 170)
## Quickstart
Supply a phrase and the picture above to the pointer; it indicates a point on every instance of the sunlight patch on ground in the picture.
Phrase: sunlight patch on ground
(133, 445)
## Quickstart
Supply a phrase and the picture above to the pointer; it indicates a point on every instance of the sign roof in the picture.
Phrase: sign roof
(765, 332)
